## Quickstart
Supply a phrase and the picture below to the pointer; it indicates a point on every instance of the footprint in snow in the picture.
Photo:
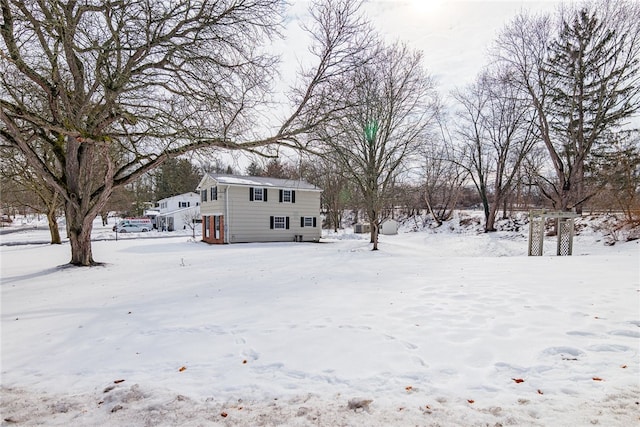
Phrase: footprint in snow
(626, 333)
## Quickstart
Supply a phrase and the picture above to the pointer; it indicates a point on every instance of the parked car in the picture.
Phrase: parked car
(132, 228)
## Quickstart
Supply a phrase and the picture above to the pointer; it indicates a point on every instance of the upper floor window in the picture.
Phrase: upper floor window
(183, 204)
(287, 196)
(257, 194)
(203, 195)
(214, 193)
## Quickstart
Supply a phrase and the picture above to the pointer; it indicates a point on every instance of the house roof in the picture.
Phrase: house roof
(263, 181)
(190, 194)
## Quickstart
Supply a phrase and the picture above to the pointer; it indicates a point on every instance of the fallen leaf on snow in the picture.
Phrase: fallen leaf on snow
(518, 380)
(224, 415)
(597, 379)
(118, 381)
(182, 369)
(470, 400)
(540, 391)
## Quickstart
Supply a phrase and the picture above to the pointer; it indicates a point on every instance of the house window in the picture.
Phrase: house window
(214, 193)
(207, 226)
(257, 194)
(203, 195)
(308, 221)
(287, 196)
(183, 204)
(216, 226)
(279, 222)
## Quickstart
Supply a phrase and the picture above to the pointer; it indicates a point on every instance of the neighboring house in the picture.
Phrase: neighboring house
(178, 212)
(244, 209)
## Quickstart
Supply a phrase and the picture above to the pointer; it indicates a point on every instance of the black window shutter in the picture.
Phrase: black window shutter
(287, 223)
(251, 194)
(314, 221)
(271, 223)
(302, 221)
(280, 196)
(293, 196)
(264, 195)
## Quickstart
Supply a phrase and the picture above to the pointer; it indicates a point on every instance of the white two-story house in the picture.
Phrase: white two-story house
(178, 212)
(240, 209)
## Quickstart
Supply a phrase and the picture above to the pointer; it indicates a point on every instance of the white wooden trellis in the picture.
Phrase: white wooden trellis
(537, 219)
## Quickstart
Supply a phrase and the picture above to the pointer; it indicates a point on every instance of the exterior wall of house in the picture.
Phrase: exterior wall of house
(181, 219)
(250, 220)
(178, 212)
(213, 229)
(180, 201)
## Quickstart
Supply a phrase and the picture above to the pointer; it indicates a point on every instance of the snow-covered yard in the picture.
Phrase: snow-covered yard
(441, 328)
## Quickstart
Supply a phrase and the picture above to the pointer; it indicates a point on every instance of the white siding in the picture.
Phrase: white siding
(250, 220)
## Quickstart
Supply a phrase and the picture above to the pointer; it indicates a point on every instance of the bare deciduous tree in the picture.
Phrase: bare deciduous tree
(442, 174)
(114, 88)
(615, 172)
(581, 76)
(21, 186)
(496, 132)
(324, 172)
(389, 107)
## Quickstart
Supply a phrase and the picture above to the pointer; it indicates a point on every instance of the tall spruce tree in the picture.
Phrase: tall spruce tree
(593, 90)
(581, 76)
(176, 176)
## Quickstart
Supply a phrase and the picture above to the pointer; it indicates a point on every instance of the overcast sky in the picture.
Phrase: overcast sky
(453, 34)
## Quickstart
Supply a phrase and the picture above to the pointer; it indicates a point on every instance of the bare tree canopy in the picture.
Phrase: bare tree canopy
(115, 87)
(443, 175)
(389, 106)
(581, 74)
(496, 134)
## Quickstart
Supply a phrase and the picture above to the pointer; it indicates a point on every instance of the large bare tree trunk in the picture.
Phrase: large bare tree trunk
(79, 226)
(373, 221)
(430, 209)
(88, 192)
(53, 226)
(490, 225)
